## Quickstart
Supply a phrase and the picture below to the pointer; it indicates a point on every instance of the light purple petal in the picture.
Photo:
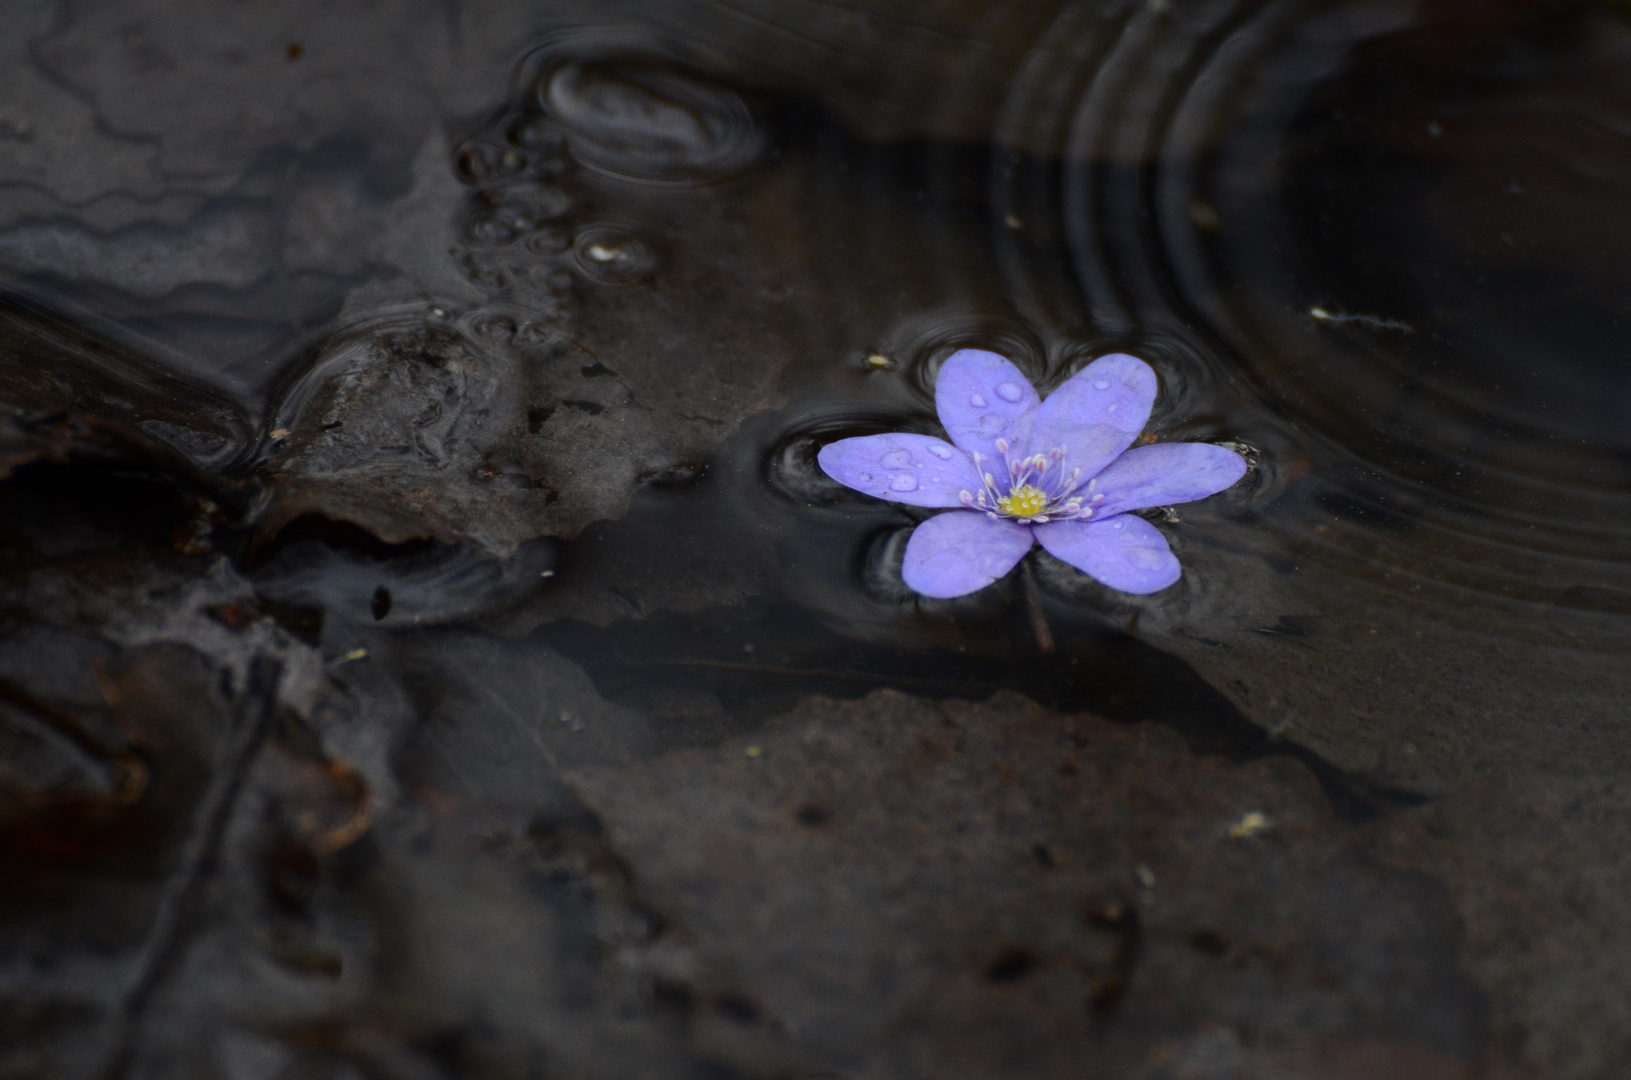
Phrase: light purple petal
(918, 470)
(1124, 552)
(1164, 474)
(958, 553)
(981, 398)
(1097, 413)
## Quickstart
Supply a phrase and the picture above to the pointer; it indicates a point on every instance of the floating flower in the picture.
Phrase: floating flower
(1021, 470)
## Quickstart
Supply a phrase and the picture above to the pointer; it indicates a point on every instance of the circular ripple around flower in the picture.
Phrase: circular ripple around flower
(1398, 222)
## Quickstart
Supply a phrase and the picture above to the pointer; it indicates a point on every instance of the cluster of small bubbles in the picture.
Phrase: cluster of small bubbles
(633, 117)
(515, 240)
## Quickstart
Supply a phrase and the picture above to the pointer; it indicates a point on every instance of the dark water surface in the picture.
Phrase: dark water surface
(428, 647)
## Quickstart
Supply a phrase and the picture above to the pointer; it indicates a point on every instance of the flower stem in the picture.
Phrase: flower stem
(1033, 605)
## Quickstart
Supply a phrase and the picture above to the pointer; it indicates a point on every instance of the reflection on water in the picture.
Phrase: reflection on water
(476, 372)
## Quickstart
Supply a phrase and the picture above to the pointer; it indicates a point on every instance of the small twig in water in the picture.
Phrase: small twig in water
(1319, 314)
(1033, 604)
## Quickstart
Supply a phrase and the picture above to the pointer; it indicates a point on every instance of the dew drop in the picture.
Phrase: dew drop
(866, 477)
(1009, 391)
(1102, 384)
(896, 459)
(903, 482)
(1112, 408)
(941, 452)
(978, 401)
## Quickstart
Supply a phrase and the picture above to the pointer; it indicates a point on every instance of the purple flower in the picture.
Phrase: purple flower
(1056, 472)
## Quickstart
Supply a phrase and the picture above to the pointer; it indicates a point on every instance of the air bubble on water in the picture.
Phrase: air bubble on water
(978, 401)
(1009, 391)
(651, 121)
(904, 482)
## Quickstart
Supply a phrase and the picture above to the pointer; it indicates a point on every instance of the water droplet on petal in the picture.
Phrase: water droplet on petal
(1009, 391)
(866, 477)
(978, 401)
(896, 459)
(904, 482)
(1112, 408)
(939, 451)
(1102, 384)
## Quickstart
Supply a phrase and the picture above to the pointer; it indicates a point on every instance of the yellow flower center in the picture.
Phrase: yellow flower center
(1023, 502)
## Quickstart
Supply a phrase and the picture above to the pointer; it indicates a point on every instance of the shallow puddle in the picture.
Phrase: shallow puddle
(430, 647)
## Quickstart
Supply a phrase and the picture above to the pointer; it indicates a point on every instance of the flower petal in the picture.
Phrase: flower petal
(1164, 474)
(1097, 413)
(918, 470)
(958, 553)
(981, 398)
(1124, 552)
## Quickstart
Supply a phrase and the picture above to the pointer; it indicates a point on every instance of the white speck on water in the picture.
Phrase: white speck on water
(904, 482)
(1009, 391)
(939, 451)
(603, 254)
(1102, 384)
(978, 401)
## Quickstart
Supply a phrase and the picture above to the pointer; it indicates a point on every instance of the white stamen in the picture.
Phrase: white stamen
(1041, 519)
(1088, 512)
(1097, 499)
(1002, 446)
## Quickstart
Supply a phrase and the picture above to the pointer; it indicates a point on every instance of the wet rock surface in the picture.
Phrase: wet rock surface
(1533, 872)
(898, 888)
